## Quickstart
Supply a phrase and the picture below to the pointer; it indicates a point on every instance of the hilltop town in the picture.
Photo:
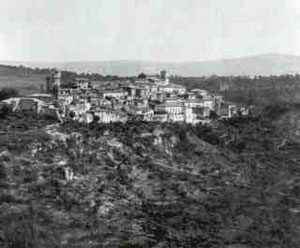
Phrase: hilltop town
(148, 98)
(146, 184)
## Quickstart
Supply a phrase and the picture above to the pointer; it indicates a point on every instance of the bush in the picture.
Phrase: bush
(274, 111)
(2, 171)
(4, 110)
(7, 92)
(8, 198)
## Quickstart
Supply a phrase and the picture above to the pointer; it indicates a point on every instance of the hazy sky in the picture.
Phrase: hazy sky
(164, 30)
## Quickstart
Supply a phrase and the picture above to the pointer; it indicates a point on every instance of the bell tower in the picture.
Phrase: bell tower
(53, 82)
(164, 76)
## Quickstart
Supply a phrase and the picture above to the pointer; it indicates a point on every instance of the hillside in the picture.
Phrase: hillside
(26, 80)
(259, 90)
(147, 185)
(264, 65)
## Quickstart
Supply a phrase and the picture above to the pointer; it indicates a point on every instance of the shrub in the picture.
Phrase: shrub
(8, 198)
(4, 110)
(274, 111)
(2, 172)
(7, 92)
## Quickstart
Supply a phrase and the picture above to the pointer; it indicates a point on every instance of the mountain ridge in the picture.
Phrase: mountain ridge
(264, 65)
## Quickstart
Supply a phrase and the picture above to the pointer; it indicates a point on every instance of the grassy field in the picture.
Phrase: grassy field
(25, 80)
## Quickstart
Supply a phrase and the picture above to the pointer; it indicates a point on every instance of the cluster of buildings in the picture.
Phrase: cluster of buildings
(148, 98)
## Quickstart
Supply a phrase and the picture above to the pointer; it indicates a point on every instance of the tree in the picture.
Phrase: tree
(7, 92)
(3, 173)
(4, 110)
(142, 76)
(213, 115)
(96, 118)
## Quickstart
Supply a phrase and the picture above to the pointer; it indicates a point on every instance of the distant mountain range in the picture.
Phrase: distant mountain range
(265, 65)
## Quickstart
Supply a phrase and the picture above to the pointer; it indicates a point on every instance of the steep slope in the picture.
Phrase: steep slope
(146, 185)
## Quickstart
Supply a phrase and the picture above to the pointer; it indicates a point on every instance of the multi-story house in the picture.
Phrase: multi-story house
(192, 103)
(208, 101)
(227, 110)
(173, 108)
(113, 94)
(169, 108)
(200, 92)
(160, 117)
(172, 88)
(110, 115)
(66, 96)
(83, 83)
(79, 109)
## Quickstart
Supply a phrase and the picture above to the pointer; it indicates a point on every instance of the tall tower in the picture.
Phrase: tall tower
(53, 82)
(56, 76)
(164, 76)
(49, 84)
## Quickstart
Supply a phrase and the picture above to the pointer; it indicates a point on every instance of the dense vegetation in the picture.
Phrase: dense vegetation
(234, 184)
(7, 92)
(259, 90)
